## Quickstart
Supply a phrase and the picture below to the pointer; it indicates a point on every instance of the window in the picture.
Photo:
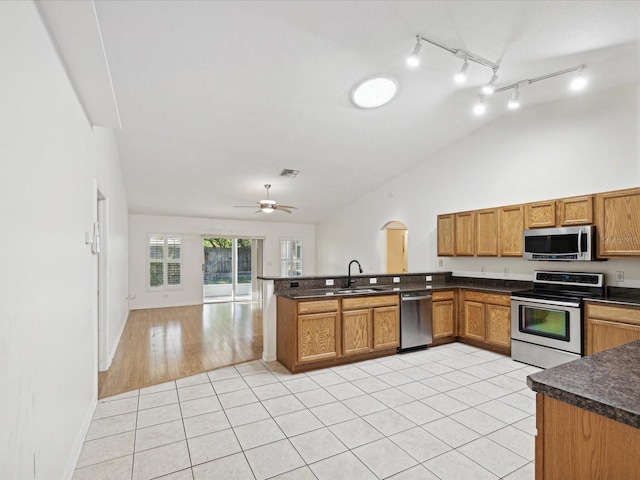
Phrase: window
(165, 262)
(290, 257)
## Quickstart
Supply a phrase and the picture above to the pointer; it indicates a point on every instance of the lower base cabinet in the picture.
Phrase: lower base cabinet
(370, 324)
(486, 318)
(443, 313)
(608, 326)
(572, 443)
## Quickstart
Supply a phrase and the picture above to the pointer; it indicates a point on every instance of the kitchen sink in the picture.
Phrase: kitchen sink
(359, 290)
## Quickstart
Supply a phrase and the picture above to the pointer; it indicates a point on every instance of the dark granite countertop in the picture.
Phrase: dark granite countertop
(621, 296)
(606, 383)
(386, 289)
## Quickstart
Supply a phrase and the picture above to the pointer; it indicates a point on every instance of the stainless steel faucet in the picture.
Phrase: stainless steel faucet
(349, 281)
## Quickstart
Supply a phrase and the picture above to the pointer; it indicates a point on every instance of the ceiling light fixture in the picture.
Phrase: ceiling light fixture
(461, 76)
(490, 87)
(579, 82)
(514, 103)
(480, 108)
(374, 91)
(466, 55)
(414, 59)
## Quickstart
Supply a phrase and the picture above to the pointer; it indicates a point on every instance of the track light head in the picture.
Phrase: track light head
(579, 82)
(514, 103)
(490, 87)
(480, 108)
(413, 60)
(461, 76)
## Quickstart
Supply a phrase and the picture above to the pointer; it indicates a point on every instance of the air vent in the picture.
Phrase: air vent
(289, 173)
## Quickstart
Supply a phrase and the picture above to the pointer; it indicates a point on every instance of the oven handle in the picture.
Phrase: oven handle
(546, 302)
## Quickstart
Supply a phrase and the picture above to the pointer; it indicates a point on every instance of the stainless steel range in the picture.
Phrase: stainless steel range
(547, 322)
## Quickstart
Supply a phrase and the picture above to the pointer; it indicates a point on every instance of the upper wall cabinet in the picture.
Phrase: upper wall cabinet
(618, 223)
(487, 232)
(465, 234)
(560, 213)
(511, 223)
(446, 234)
(540, 214)
(574, 211)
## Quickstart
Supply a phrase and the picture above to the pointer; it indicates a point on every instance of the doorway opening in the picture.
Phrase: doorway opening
(394, 239)
(231, 268)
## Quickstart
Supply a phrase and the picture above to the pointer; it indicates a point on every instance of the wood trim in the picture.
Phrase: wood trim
(539, 453)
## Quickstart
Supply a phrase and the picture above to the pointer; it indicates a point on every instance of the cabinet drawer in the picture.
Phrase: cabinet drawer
(613, 314)
(493, 298)
(318, 306)
(369, 302)
(439, 296)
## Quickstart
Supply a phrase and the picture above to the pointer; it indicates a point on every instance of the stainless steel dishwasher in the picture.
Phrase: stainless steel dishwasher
(415, 321)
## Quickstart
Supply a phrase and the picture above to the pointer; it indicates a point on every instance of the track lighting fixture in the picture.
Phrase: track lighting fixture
(461, 76)
(490, 87)
(579, 82)
(514, 103)
(480, 107)
(414, 59)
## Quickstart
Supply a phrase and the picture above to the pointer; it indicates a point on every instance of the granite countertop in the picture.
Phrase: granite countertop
(620, 296)
(606, 383)
(387, 289)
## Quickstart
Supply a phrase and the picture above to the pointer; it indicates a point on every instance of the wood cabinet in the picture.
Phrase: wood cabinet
(370, 324)
(325, 332)
(486, 318)
(443, 314)
(446, 234)
(608, 326)
(540, 214)
(510, 226)
(465, 234)
(574, 211)
(618, 223)
(573, 443)
(487, 232)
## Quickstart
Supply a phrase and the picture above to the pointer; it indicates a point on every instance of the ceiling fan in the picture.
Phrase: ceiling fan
(268, 205)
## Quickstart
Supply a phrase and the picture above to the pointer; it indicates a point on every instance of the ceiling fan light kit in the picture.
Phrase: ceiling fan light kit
(268, 205)
(578, 83)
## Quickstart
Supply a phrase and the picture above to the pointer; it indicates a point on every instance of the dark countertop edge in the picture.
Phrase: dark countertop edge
(358, 275)
(324, 293)
(608, 402)
(610, 300)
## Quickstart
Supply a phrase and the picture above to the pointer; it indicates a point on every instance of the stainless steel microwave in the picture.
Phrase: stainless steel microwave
(560, 244)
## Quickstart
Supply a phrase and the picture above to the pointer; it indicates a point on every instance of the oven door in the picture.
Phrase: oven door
(550, 323)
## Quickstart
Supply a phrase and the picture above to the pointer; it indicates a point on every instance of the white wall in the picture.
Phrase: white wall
(48, 345)
(580, 145)
(191, 229)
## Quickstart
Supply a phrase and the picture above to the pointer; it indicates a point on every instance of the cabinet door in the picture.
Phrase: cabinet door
(618, 223)
(386, 328)
(317, 336)
(498, 319)
(446, 234)
(474, 322)
(575, 211)
(487, 232)
(510, 226)
(465, 234)
(540, 214)
(603, 335)
(443, 315)
(356, 332)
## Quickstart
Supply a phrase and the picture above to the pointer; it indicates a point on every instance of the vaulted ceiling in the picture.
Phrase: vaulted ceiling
(215, 98)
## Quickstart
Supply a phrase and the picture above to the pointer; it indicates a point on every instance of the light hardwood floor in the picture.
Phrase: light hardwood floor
(163, 344)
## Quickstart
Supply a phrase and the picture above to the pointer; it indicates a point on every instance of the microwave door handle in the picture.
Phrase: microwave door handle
(580, 243)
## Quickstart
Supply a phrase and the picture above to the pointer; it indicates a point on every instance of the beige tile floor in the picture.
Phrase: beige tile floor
(449, 412)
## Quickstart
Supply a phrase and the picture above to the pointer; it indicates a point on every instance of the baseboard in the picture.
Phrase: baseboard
(77, 445)
(186, 304)
(114, 348)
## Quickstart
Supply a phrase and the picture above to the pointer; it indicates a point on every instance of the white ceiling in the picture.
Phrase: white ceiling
(217, 97)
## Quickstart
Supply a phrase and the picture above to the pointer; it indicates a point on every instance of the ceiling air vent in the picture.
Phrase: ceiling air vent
(289, 173)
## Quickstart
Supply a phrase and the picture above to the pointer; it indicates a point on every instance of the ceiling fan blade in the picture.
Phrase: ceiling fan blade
(244, 206)
(287, 206)
(259, 211)
(282, 209)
